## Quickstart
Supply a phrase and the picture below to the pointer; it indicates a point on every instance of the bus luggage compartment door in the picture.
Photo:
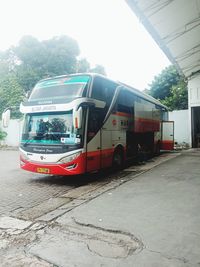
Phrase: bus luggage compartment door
(167, 142)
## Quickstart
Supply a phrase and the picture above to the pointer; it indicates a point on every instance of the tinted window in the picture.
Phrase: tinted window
(109, 90)
(125, 102)
(59, 88)
(103, 90)
(97, 91)
(96, 117)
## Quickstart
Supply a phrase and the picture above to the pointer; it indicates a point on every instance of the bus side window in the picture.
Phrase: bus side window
(109, 90)
(125, 102)
(85, 91)
(103, 90)
(93, 123)
(121, 101)
(97, 91)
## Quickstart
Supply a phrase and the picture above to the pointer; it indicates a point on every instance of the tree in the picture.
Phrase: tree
(162, 83)
(178, 98)
(11, 93)
(31, 53)
(98, 69)
(2, 135)
(38, 60)
(62, 55)
(28, 77)
(4, 68)
(33, 60)
(83, 66)
(170, 88)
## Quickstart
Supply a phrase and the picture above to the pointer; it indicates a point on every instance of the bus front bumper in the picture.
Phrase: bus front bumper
(72, 168)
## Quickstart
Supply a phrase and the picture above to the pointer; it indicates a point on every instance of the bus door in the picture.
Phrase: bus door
(93, 154)
(167, 142)
(106, 147)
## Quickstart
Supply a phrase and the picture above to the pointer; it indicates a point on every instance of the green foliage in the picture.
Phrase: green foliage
(162, 83)
(61, 55)
(2, 135)
(83, 66)
(178, 98)
(4, 68)
(31, 52)
(98, 69)
(170, 88)
(28, 77)
(11, 94)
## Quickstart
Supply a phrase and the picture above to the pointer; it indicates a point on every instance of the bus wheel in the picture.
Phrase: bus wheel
(118, 159)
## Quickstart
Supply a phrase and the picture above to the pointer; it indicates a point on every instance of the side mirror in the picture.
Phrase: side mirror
(28, 93)
(90, 102)
(77, 118)
(6, 118)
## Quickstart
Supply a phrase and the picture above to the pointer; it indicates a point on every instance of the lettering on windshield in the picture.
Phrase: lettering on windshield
(43, 108)
(42, 150)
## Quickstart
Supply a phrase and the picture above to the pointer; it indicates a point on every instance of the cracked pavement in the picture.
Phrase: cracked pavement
(148, 216)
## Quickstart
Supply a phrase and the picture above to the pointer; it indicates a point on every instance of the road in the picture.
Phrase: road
(20, 189)
(147, 218)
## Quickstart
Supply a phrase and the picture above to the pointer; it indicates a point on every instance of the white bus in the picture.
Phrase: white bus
(82, 123)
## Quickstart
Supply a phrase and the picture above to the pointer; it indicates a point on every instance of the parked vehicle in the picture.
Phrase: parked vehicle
(85, 122)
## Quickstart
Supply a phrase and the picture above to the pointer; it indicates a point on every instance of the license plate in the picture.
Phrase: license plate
(43, 170)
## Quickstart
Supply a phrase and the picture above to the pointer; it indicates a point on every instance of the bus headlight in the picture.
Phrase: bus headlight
(70, 158)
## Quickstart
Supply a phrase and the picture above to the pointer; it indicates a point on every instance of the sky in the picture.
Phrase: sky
(107, 31)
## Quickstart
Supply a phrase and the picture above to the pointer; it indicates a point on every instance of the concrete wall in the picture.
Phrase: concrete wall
(181, 125)
(13, 133)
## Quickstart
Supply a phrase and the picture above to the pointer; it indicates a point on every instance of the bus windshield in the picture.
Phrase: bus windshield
(50, 129)
(59, 89)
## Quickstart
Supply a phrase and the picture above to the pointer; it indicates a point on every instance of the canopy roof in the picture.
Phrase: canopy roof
(175, 26)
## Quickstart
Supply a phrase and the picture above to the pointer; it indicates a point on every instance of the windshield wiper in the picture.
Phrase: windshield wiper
(28, 141)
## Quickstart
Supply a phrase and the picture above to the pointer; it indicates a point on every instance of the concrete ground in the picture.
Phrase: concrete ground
(23, 191)
(148, 219)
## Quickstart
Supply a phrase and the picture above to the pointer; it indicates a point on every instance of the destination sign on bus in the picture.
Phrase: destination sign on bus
(62, 81)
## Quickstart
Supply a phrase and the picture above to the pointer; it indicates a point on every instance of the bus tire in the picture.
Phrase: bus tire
(118, 159)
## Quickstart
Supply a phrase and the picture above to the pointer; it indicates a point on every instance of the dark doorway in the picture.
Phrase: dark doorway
(195, 113)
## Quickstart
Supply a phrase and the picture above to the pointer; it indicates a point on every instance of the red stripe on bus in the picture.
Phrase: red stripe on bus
(144, 125)
(122, 114)
(99, 159)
